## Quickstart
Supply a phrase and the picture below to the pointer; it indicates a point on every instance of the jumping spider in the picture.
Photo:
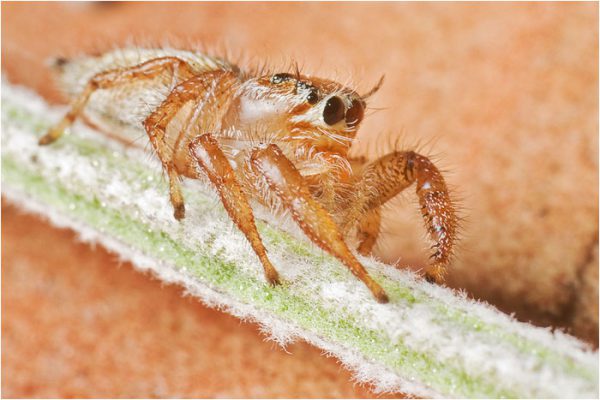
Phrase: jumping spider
(276, 138)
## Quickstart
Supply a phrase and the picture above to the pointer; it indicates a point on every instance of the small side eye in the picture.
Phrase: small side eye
(313, 97)
(334, 110)
(278, 78)
(355, 113)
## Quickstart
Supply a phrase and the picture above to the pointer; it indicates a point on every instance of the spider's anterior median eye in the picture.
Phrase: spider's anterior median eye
(278, 78)
(334, 111)
(355, 113)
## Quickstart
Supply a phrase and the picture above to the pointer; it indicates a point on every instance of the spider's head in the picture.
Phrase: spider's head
(318, 112)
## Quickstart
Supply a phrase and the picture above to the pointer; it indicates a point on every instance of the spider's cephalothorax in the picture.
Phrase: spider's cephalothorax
(312, 120)
(276, 138)
(304, 110)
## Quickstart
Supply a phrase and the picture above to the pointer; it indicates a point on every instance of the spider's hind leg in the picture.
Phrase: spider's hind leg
(112, 78)
(192, 91)
(389, 175)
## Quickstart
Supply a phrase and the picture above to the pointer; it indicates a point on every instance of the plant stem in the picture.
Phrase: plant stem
(428, 341)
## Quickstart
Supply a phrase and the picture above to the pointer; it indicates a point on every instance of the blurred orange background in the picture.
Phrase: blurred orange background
(504, 96)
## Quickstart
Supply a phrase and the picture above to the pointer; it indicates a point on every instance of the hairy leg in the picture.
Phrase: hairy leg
(386, 177)
(285, 180)
(115, 77)
(214, 163)
(196, 89)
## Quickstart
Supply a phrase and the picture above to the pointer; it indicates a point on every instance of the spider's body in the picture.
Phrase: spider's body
(277, 138)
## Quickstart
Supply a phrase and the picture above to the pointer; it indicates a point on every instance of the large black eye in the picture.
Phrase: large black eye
(355, 113)
(334, 110)
(278, 78)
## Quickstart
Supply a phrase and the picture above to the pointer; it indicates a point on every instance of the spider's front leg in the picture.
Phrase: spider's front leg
(285, 180)
(214, 163)
(386, 177)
